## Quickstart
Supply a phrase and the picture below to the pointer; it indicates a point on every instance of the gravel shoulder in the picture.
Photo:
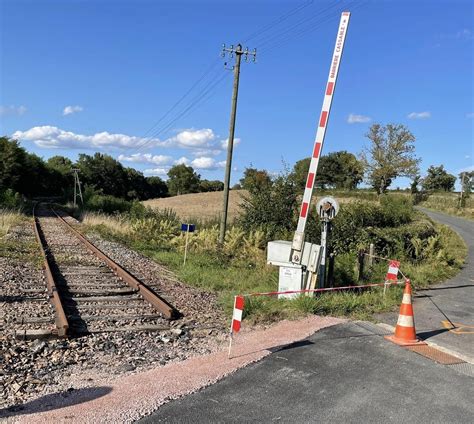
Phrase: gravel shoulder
(129, 398)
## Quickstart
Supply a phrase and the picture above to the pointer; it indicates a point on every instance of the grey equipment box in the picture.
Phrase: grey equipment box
(293, 276)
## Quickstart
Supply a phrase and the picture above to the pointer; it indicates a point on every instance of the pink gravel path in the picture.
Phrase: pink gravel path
(134, 396)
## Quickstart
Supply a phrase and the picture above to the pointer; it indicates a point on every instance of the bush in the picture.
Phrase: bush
(9, 199)
(270, 208)
(358, 224)
(107, 204)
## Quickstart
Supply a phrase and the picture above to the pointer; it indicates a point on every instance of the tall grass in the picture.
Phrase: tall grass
(449, 203)
(115, 224)
(8, 219)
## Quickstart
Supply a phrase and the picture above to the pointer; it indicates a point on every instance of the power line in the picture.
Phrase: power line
(332, 9)
(280, 19)
(154, 133)
(195, 84)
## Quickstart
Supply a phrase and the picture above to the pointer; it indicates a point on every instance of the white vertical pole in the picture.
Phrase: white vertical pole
(186, 244)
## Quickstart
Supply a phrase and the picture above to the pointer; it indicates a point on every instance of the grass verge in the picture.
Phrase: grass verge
(449, 204)
(218, 274)
(16, 242)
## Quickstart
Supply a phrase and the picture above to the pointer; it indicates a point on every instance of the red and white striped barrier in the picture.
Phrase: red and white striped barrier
(239, 303)
(392, 273)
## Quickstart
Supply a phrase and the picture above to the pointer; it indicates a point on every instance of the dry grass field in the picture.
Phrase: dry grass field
(202, 206)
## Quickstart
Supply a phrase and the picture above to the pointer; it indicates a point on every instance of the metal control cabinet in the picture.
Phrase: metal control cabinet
(293, 276)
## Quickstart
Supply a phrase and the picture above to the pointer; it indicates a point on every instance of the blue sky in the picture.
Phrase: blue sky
(91, 75)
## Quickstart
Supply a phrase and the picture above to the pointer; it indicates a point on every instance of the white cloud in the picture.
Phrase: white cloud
(156, 172)
(419, 115)
(191, 138)
(358, 119)
(470, 115)
(207, 163)
(199, 143)
(146, 158)
(69, 110)
(12, 110)
(49, 136)
(226, 141)
(182, 161)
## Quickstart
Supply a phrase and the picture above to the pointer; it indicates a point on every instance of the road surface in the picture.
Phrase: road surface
(350, 373)
(450, 304)
(341, 374)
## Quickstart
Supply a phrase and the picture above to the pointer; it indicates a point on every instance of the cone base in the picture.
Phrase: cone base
(402, 342)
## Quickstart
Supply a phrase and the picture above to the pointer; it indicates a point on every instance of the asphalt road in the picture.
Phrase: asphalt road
(450, 304)
(341, 374)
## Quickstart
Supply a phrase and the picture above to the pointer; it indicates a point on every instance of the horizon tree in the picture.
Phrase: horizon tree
(391, 154)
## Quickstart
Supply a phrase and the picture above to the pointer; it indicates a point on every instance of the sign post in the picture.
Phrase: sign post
(327, 208)
(188, 228)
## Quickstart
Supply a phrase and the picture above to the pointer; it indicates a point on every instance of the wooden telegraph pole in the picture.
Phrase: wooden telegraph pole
(238, 51)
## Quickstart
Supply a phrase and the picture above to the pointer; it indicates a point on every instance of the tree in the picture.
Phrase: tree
(437, 178)
(105, 173)
(214, 185)
(12, 164)
(182, 180)
(270, 208)
(255, 178)
(391, 154)
(61, 164)
(467, 181)
(414, 184)
(340, 170)
(156, 187)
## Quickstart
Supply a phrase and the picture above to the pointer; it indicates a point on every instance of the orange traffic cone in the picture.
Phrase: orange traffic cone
(405, 334)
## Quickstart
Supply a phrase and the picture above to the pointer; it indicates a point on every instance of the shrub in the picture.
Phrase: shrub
(107, 204)
(270, 208)
(10, 199)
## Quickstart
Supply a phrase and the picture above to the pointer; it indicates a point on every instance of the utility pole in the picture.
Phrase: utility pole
(462, 191)
(233, 111)
(77, 184)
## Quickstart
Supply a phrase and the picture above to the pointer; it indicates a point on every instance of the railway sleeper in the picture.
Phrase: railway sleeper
(101, 292)
(122, 329)
(102, 298)
(113, 317)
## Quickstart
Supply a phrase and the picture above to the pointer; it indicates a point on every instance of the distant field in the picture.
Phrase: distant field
(202, 206)
(449, 203)
(208, 206)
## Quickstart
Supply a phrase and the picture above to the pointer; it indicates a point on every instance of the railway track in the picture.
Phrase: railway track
(90, 292)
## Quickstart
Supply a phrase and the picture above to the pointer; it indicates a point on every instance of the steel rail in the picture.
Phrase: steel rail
(157, 302)
(60, 318)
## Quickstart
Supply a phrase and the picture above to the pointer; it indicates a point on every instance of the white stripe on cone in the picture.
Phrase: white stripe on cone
(406, 299)
(405, 321)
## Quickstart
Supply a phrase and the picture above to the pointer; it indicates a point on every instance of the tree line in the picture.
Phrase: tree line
(28, 174)
(390, 154)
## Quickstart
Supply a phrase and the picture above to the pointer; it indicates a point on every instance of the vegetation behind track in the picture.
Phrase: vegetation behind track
(429, 253)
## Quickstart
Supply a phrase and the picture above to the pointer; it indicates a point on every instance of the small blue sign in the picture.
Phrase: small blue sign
(188, 227)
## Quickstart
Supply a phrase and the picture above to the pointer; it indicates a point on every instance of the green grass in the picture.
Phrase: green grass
(217, 273)
(449, 203)
(447, 264)
(228, 278)
(17, 249)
